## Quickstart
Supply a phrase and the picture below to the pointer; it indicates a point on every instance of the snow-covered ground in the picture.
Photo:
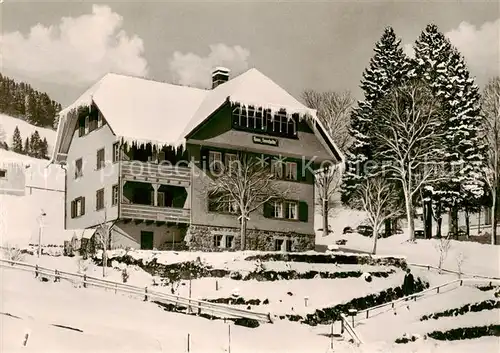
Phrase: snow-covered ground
(481, 259)
(8, 125)
(116, 323)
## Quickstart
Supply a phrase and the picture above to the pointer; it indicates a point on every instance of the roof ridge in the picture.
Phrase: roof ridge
(153, 80)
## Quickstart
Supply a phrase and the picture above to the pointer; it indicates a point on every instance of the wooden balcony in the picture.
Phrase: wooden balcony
(155, 173)
(154, 213)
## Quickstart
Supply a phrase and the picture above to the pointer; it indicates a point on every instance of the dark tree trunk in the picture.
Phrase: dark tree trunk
(453, 222)
(428, 218)
(439, 223)
(467, 221)
(388, 228)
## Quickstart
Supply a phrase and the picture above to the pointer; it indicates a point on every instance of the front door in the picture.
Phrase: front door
(146, 240)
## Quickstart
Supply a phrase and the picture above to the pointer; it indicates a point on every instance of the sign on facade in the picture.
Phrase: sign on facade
(265, 141)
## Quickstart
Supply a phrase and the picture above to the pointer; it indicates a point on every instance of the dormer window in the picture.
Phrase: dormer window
(262, 121)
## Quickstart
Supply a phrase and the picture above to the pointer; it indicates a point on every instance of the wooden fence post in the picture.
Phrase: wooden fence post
(116, 288)
(341, 325)
(84, 281)
(145, 294)
(188, 348)
(36, 271)
(367, 314)
(437, 290)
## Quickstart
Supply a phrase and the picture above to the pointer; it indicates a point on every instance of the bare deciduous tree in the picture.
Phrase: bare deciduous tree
(461, 258)
(244, 186)
(491, 128)
(102, 237)
(442, 247)
(333, 109)
(408, 137)
(379, 199)
(328, 181)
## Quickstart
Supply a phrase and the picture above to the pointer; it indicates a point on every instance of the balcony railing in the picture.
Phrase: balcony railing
(154, 213)
(156, 173)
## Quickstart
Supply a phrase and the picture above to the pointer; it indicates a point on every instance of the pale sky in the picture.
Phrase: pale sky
(63, 47)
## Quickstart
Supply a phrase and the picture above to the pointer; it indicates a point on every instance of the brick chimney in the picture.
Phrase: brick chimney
(219, 76)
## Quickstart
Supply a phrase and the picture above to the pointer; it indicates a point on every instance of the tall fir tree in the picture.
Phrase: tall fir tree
(387, 68)
(44, 147)
(35, 144)
(17, 141)
(443, 67)
(26, 149)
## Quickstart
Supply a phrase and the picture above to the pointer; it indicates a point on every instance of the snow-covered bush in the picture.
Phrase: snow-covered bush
(367, 277)
(83, 265)
(12, 253)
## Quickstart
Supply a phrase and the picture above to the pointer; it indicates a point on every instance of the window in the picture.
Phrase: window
(78, 207)
(216, 203)
(278, 210)
(291, 171)
(291, 210)
(278, 244)
(157, 157)
(99, 199)
(288, 245)
(217, 240)
(78, 168)
(215, 161)
(229, 241)
(114, 195)
(260, 120)
(277, 168)
(161, 198)
(81, 128)
(230, 158)
(3, 173)
(87, 124)
(100, 159)
(116, 152)
(100, 119)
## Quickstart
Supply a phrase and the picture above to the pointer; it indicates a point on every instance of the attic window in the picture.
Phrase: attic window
(262, 121)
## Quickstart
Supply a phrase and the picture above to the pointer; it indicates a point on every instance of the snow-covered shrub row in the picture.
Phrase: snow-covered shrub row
(347, 259)
(196, 269)
(475, 307)
(464, 333)
(237, 301)
(326, 315)
(250, 323)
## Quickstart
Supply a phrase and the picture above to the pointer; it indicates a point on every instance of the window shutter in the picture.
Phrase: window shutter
(83, 206)
(303, 211)
(268, 210)
(73, 209)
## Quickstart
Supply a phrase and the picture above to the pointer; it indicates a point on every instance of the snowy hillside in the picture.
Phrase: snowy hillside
(8, 125)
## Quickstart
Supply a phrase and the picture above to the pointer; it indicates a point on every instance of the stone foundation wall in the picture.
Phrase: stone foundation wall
(202, 238)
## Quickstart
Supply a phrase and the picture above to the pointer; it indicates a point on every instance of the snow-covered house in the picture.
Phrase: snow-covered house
(12, 178)
(136, 153)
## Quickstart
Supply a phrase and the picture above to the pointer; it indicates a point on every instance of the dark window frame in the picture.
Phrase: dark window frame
(99, 199)
(102, 163)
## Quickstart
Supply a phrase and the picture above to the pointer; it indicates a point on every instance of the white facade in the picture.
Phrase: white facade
(92, 179)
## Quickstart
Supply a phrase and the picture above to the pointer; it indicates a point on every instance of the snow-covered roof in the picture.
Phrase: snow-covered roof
(143, 110)
(87, 233)
(146, 111)
(250, 88)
